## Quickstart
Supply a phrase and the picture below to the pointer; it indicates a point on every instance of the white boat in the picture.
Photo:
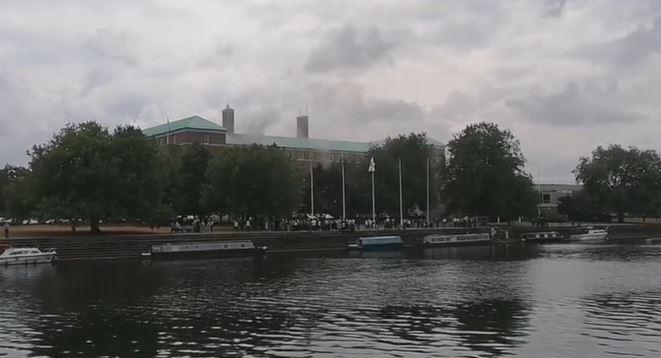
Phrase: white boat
(592, 235)
(26, 255)
(457, 239)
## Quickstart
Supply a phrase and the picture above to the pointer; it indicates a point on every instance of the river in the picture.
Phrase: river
(528, 301)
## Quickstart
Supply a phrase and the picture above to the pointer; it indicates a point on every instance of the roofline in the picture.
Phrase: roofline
(163, 134)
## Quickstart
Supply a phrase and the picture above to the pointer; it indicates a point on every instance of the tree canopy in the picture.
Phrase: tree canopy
(11, 180)
(190, 180)
(485, 174)
(414, 150)
(253, 180)
(622, 180)
(86, 172)
(328, 189)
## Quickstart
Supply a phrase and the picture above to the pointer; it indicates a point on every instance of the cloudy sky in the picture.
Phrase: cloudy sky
(563, 75)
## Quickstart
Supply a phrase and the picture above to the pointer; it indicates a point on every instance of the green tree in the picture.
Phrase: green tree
(622, 180)
(252, 180)
(579, 207)
(86, 172)
(414, 150)
(11, 181)
(328, 189)
(191, 180)
(485, 174)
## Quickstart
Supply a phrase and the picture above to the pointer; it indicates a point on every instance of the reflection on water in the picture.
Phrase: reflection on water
(554, 300)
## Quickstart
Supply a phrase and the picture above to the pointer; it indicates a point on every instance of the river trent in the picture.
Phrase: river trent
(528, 301)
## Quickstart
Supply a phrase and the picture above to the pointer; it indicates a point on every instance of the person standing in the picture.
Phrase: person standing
(6, 227)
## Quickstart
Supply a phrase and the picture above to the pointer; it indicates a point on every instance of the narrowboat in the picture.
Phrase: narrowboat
(377, 243)
(545, 236)
(456, 239)
(203, 248)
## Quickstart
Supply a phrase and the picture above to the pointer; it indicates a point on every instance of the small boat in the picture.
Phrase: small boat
(375, 243)
(592, 235)
(26, 255)
(202, 248)
(457, 239)
(544, 236)
(653, 241)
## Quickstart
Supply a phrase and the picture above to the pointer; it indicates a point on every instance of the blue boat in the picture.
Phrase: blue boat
(377, 243)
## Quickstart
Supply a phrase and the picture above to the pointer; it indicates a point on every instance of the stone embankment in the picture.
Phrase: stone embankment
(130, 247)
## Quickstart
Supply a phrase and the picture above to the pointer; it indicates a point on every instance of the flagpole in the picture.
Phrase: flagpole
(311, 190)
(401, 209)
(167, 138)
(372, 169)
(373, 203)
(427, 190)
(344, 204)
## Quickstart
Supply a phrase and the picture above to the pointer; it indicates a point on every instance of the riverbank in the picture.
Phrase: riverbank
(113, 246)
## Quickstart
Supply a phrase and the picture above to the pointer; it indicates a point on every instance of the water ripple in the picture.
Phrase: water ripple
(558, 300)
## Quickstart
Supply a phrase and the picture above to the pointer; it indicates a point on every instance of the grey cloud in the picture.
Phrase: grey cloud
(110, 44)
(630, 50)
(340, 110)
(457, 107)
(572, 105)
(348, 48)
(554, 8)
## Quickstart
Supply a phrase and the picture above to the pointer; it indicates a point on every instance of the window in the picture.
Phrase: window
(546, 198)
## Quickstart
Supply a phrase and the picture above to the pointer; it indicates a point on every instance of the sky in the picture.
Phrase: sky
(564, 76)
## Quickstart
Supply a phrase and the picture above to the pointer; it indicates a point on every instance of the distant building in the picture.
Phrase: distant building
(550, 195)
(301, 148)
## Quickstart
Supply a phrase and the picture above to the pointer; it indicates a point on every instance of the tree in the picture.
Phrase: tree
(485, 175)
(622, 180)
(579, 207)
(252, 180)
(190, 180)
(328, 189)
(86, 172)
(11, 180)
(414, 150)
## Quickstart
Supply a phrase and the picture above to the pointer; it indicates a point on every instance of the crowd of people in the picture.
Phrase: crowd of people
(322, 222)
(192, 224)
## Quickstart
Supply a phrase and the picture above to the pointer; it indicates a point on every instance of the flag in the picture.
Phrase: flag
(372, 167)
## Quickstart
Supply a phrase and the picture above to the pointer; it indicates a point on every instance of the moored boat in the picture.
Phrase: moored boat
(26, 255)
(592, 235)
(541, 236)
(376, 243)
(457, 239)
(203, 248)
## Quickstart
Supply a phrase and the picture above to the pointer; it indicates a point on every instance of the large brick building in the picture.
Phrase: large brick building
(301, 148)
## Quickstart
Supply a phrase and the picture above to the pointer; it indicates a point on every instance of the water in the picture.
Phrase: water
(534, 301)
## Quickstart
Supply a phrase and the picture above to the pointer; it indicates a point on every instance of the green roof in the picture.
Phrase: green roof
(190, 123)
(298, 143)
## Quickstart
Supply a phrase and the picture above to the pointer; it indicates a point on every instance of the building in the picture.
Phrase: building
(550, 195)
(301, 148)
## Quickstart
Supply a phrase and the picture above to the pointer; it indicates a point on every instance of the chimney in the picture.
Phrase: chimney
(228, 119)
(302, 126)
